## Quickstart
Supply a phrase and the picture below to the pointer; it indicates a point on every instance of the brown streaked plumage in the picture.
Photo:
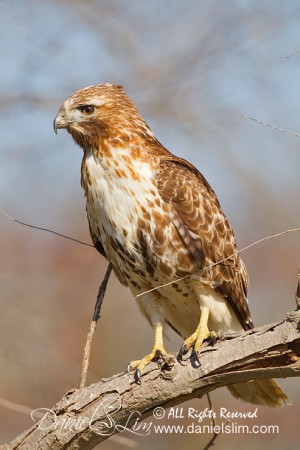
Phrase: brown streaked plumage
(158, 221)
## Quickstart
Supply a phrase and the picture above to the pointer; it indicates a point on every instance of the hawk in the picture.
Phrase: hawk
(157, 220)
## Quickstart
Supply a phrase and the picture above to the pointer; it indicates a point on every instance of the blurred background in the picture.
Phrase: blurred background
(192, 68)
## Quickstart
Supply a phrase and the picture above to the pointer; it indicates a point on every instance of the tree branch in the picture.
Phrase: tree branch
(85, 417)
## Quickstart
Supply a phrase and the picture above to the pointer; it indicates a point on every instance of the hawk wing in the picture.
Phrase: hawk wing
(205, 230)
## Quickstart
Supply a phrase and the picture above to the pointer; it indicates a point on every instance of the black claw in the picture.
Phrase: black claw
(137, 376)
(128, 368)
(196, 356)
(183, 349)
(160, 355)
(213, 339)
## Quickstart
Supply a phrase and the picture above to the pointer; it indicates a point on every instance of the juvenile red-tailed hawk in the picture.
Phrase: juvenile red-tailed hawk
(156, 219)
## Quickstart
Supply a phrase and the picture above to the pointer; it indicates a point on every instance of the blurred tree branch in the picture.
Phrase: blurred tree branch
(85, 417)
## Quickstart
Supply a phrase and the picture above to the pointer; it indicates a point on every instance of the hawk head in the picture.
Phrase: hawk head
(99, 112)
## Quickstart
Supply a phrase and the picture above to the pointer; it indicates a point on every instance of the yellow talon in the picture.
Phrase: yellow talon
(157, 352)
(202, 332)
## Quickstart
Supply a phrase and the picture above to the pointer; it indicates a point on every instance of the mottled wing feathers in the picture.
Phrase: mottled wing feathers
(205, 230)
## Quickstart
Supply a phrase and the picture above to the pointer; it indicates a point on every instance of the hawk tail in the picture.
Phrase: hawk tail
(260, 392)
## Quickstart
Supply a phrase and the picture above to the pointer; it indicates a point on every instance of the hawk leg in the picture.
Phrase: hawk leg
(202, 332)
(158, 351)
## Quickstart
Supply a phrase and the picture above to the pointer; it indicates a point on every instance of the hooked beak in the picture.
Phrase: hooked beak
(60, 121)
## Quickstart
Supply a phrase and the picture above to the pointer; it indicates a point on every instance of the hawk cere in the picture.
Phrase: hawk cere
(156, 219)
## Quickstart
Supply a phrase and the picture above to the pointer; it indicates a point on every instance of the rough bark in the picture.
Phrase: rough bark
(87, 416)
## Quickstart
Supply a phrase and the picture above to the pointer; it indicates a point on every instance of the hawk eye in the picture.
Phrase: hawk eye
(87, 109)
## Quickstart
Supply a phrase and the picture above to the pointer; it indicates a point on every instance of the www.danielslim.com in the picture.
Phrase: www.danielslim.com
(226, 428)
(197, 417)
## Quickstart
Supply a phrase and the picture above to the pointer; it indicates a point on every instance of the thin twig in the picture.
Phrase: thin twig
(90, 335)
(272, 126)
(292, 54)
(45, 229)
(211, 442)
(267, 238)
